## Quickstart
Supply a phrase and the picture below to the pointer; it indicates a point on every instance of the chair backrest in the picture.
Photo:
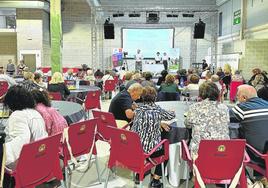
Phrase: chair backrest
(116, 80)
(220, 159)
(167, 96)
(126, 149)
(81, 139)
(105, 119)
(3, 88)
(38, 162)
(55, 96)
(109, 85)
(93, 100)
(233, 89)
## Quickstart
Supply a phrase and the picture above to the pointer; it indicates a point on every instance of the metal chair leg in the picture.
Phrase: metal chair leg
(66, 177)
(187, 178)
(107, 178)
(140, 184)
(163, 175)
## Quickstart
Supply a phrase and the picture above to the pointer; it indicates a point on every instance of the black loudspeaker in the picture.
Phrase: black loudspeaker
(108, 31)
(199, 30)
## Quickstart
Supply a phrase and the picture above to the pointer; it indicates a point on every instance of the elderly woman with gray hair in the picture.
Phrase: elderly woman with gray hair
(208, 118)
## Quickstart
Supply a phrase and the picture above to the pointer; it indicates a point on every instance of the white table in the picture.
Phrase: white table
(177, 166)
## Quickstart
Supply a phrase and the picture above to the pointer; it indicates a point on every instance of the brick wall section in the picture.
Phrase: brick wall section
(8, 49)
(76, 33)
(29, 29)
(256, 56)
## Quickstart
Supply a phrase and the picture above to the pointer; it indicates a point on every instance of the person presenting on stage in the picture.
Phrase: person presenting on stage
(165, 59)
(138, 58)
(157, 58)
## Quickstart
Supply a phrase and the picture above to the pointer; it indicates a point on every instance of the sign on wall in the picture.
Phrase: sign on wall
(237, 17)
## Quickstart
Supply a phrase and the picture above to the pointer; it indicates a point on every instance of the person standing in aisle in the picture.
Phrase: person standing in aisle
(138, 63)
(165, 59)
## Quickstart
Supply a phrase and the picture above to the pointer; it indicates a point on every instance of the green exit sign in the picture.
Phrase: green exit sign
(237, 17)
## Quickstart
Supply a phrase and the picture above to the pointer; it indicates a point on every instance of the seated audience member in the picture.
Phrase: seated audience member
(122, 104)
(82, 72)
(216, 80)
(255, 72)
(38, 80)
(204, 73)
(24, 125)
(28, 82)
(252, 114)
(169, 85)
(206, 78)
(57, 84)
(69, 75)
(128, 77)
(237, 77)
(90, 77)
(55, 123)
(258, 82)
(162, 78)
(7, 78)
(98, 74)
(182, 76)
(107, 76)
(193, 83)
(148, 82)
(20, 68)
(263, 92)
(146, 123)
(136, 78)
(208, 119)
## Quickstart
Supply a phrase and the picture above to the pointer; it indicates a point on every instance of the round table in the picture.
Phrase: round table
(72, 112)
(78, 95)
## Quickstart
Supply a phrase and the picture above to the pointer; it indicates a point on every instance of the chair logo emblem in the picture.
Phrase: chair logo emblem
(103, 117)
(42, 148)
(221, 148)
(123, 137)
(94, 94)
(82, 128)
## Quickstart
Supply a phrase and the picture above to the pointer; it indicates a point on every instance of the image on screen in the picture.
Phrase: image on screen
(149, 41)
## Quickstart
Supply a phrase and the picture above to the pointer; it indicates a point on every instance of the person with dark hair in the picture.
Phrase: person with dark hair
(161, 79)
(148, 82)
(263, 92)
(28, 82)
(38, 80)
(208, 118)
(24, 125)
(54, 121)
(204, 64)
(146, 123)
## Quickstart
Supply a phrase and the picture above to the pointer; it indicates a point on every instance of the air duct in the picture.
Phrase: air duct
(25, 4)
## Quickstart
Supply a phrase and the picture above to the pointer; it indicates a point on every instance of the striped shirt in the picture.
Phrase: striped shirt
(253, 118)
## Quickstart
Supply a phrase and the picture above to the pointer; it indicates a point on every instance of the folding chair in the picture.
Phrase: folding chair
(92, 101)
(55, 96)
(109, 85)
(3, 88)
(126, 151)
(218, 162)
(38, 163)
(254, 165)
(79, 139)
(105, 119)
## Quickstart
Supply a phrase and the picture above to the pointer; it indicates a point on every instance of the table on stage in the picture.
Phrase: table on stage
(71, 111)
(176, 166)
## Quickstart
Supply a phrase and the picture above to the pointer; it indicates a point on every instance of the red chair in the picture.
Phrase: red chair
(218, 161)
(92, 101)
(38, 163)
(233, 89)
(261, 169)
(126, 151)
(105, 119)
(116, 80)
(81, 138)
(109, 85)
(3, 88)
(55, 96)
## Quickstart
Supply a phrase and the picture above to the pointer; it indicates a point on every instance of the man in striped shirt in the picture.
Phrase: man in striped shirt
(252, 114)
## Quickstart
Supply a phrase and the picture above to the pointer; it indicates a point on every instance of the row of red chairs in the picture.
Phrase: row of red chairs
(219, 161)
(39, 161)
